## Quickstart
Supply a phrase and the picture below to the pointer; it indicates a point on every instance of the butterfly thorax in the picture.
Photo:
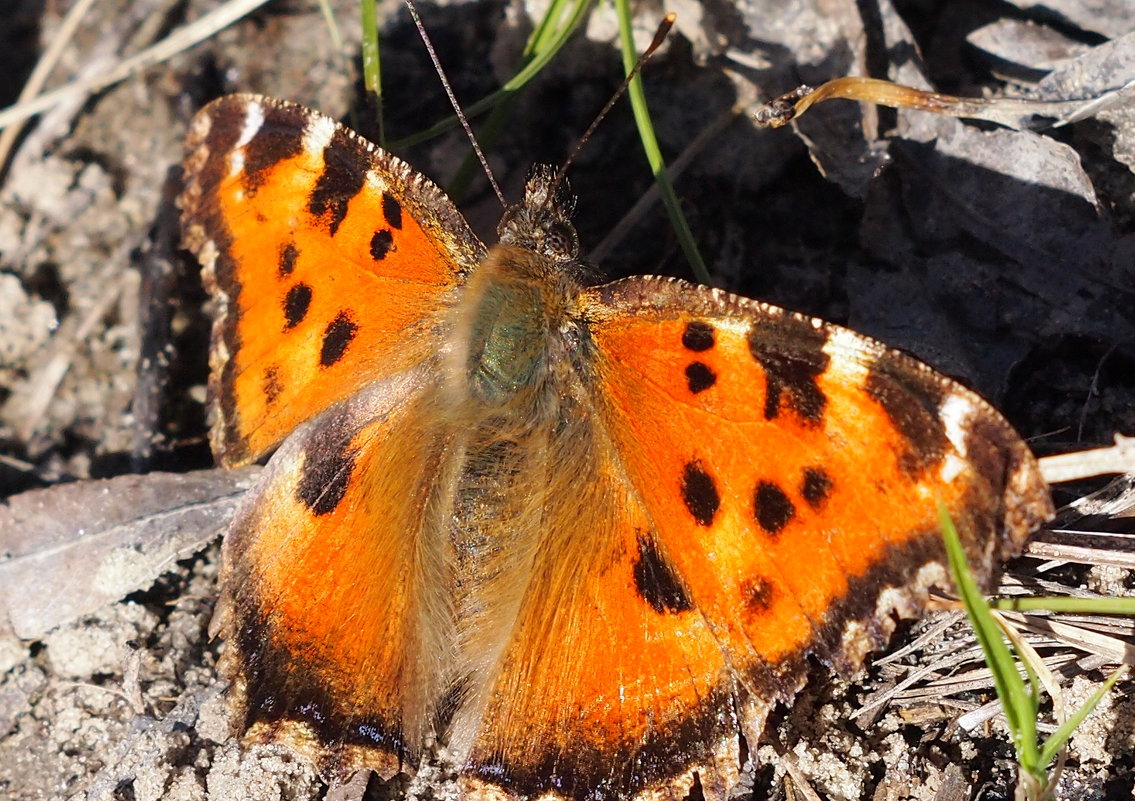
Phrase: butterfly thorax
(514, 307)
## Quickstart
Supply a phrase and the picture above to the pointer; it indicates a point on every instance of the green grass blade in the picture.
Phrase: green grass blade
(372, 64)
(1021, 703)
(1017, 702)
(653, 152)
(1038, 678)
(1085, 606)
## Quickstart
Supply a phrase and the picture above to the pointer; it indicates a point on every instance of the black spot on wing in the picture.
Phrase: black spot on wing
(271, 383)
(287, 261)
(337, 337)
(381, 243)
(325, 476)
(392, 211)
(344, 173)
(771, 507)
(656, 582)
(911, 399)
(296, 305)
(698, 336)
(816, 487)
(758, 593)
(279, 138)
(699, 377)
(790, 351)
(699, 493)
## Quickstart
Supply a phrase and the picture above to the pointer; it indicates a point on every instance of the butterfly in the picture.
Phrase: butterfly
(584, 536)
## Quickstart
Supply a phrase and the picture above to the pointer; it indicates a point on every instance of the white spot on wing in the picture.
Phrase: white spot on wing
(952, 467)
(236, 165)
(253, 122)
(955, 416)
(848, 358)
(317, 134)
(737, 326)
(376, 181)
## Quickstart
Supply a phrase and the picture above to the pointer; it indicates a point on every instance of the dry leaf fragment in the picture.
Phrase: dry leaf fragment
(67, 550)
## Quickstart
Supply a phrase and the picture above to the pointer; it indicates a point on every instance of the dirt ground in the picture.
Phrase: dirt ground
(1005, 258)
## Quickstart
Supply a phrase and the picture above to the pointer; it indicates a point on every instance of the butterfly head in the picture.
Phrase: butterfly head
(542, 221)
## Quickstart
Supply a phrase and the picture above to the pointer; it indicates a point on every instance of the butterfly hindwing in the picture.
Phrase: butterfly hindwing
(609, 681)
(329, 260)
(336, 609)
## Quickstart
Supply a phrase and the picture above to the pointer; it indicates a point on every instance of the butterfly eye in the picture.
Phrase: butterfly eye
(561, 241)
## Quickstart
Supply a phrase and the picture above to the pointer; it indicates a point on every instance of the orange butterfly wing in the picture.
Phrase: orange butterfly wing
(772, 488)
(325, 585)
(333, 266)
(329, 259)
(609, 681)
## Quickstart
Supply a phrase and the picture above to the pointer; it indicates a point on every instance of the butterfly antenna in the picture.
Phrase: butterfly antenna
(659, 37)
(453, 101)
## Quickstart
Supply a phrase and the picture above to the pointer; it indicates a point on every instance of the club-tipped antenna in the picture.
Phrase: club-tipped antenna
(453, 101)
(659, 37)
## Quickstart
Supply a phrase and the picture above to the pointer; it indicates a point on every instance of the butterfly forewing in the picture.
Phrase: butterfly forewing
(793, 468)
(329, 259)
